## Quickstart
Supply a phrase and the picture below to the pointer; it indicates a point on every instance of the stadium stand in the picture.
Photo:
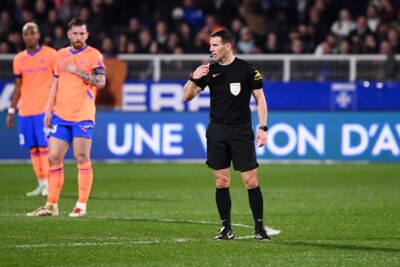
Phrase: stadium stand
(260, 26)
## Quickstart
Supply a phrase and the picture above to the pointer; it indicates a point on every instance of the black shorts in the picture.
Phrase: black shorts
(226, 143)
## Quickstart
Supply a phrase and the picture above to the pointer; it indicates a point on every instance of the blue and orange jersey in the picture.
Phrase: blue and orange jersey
(75, 98)
(36, 71)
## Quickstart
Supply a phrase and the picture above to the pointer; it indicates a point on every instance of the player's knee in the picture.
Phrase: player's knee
(55, 159)
(81, 158)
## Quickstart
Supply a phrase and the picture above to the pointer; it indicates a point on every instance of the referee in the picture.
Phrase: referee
(230, 136)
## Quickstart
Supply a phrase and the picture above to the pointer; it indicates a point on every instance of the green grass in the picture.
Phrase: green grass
(165, 215)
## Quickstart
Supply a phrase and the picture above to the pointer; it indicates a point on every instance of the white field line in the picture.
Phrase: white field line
(270, 230)
(100, 244)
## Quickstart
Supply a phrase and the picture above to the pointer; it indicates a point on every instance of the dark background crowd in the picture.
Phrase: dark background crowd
(183, 26)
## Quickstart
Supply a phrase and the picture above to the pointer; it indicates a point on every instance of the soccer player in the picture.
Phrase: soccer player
(33, 70)
(230, 136)
(79, 72)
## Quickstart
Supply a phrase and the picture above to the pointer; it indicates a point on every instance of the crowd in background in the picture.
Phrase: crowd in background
(183, 26)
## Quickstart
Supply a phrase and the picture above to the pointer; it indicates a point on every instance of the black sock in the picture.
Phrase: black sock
(256, 205)
(223, 200)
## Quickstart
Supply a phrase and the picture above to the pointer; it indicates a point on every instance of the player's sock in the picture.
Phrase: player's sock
(257, 205)
(35, 158)
(223, 200)
(44, 162)
(43, 182)
(56, 181)
(55, 205)
(85, 180)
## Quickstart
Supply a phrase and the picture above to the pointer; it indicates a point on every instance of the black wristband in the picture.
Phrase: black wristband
(264, 128)
(193, 79)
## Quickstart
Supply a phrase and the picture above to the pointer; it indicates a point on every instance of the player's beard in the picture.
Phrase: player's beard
(77, 45)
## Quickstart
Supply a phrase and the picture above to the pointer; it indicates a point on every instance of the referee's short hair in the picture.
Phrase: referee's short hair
(76, 21)
(226, 36)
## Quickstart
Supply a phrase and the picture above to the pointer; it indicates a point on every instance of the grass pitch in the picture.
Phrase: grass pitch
(165, 215)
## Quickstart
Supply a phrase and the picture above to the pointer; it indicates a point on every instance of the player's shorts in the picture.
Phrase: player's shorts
(32, 132)
(68, 130)
(226, 143)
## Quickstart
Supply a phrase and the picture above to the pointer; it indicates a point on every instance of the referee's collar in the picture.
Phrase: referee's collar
(227, 63)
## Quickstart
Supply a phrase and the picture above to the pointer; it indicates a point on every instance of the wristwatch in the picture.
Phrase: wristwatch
(264, 128)
(11, 110)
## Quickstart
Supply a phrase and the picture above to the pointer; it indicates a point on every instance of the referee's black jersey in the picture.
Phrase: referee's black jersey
(230, 91)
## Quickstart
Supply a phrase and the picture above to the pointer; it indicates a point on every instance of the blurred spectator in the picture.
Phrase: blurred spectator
(281, 25)
(85, 15)
(107, 47)
(67, 10)
(211, 25)
(344, 47)
(301, 10)
(145, 42)
(382, 32)
(323, 48)
(47, 26)
(173, 41)
(186, 35)
(246, 43)
(4, 48)
(134, 29)
(385, 48)
(16, 11)
(40, 11)
(98, 22)
(344, 25)
(5, 23)
(393, 39)
(390, 65)
(236, 26)
(15, 40)
(199, 46)
(357, 36)
(192, 14)
(371, 46)
(251, 11)
(388, 13)
(27, 16)
(316, 28)
(271, 45)
(296, 47)
(373, 19)
(161, 36)
(60, 40)
(122, 44)
(131, 48)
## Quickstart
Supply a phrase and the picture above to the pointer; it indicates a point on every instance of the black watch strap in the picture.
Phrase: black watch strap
(264, 128)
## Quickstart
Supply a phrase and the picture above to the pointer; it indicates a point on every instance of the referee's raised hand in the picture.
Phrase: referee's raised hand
(201, 71)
